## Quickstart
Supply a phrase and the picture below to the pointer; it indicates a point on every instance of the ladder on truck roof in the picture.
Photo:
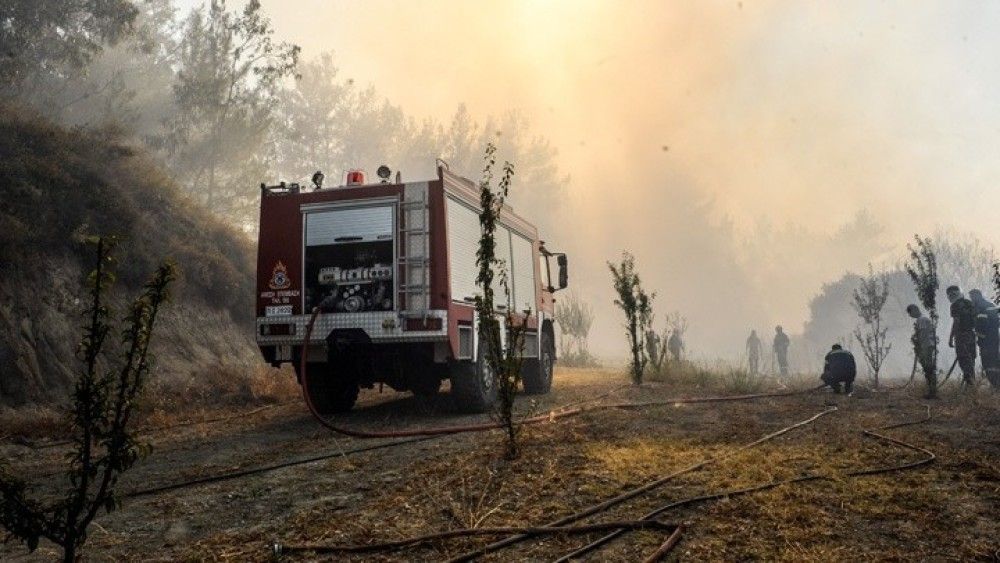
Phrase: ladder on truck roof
(414, 238)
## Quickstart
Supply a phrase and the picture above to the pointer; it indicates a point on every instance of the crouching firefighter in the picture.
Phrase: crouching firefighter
(839, 367)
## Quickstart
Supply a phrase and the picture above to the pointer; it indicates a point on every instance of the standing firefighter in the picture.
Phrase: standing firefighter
(653, 347)
(753, 352)
(676, 345)
(963, 333)
(987, 335)
(923, 340)
(780, 347)
(839, 367)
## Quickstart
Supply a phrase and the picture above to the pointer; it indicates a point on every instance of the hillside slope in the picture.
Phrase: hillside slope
(58, 185)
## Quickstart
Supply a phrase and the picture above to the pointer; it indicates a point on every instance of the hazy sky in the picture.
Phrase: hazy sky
(790, 113)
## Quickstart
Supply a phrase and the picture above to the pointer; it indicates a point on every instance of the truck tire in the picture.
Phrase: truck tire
(473, 387)
(331, 392)
(537, 373)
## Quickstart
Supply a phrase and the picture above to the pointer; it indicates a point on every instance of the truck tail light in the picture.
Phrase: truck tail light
(284, 329)
(430, 323)
(355, 177)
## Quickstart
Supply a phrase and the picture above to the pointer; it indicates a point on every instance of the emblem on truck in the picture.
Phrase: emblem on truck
(279, 277)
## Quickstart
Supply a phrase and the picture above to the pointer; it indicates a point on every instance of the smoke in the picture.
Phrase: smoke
(746, 152)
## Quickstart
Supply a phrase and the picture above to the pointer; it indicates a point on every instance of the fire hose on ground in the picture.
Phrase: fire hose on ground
(423, 434)
(416, 436)
(648, 487)
(929, 458)
(562, 412)
(561, 526)
(156, 429)
(341, 453)
(563, 522)
(468, 532)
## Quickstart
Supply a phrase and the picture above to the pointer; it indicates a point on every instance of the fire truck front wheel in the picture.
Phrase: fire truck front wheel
(536, 375)
(330, 392)
(473, 387)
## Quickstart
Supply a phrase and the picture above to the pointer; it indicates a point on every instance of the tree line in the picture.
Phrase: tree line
(225, 104)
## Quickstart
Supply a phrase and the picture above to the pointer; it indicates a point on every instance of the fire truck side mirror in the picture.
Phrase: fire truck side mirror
(563, 272)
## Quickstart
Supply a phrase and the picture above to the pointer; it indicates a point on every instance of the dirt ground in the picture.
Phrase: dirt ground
(943, 511)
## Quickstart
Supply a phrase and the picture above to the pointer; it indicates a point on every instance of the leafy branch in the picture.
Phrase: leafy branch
(870, 298)
(504, 362)
(636, 304)
(103, 402)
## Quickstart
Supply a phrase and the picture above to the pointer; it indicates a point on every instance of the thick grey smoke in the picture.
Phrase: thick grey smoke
(746, 152)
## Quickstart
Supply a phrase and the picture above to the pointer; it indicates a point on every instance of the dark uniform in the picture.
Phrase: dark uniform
(653, 347)
(753, 352)
(839, 367)
(963, 333)
(676, 346)
(923, 346)
(781, 351)
(987, 336)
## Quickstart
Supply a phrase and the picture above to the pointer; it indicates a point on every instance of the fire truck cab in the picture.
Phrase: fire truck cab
(391, 267)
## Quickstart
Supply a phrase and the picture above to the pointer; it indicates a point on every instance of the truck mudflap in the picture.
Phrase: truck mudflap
(380, 327)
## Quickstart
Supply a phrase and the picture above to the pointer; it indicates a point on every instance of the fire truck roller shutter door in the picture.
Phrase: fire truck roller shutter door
(349, 224)
(349, 258)
(524, 273)
(463, 241)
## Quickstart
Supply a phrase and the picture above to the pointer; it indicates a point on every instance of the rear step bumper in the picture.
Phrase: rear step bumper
(381, 327)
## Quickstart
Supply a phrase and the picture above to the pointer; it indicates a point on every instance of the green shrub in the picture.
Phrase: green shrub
(741, 381)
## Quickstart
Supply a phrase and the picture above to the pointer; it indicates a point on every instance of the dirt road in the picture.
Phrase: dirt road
(947, 510)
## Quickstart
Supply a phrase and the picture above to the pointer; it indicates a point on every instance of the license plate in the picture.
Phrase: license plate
(277, 310)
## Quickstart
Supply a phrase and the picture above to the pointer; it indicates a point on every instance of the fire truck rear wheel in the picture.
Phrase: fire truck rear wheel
(536, 376)
(473, 387)
(331, 392)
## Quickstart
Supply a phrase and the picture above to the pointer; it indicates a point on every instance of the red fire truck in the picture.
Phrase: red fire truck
(391, 266)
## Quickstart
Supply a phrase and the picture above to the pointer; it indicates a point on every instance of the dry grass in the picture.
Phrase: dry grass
(31, 422)
(564, 467)
(216, 390)
(168, 401)
(643, 458)
(717, 376)
(944, 510)
(222, 385)
(741, 381)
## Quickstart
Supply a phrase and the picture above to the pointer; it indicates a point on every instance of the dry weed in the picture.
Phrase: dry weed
(32, 422)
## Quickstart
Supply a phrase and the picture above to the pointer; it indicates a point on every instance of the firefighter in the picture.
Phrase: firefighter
(923, 340)
(676, 345)
(987, 336)
(753, 352)
(780, 347)
(653, 346)
(963, 333)
(839, 367)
